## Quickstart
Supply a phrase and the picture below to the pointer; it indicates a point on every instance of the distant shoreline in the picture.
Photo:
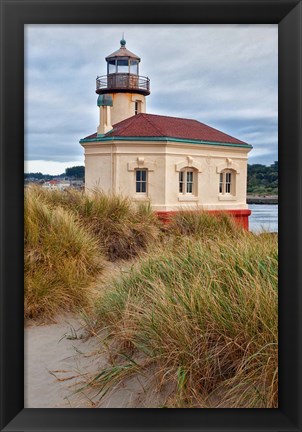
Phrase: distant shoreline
(262, 199)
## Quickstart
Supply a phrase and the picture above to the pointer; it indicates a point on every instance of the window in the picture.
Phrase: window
(186, 181)
(137, 107)
(111, 67)
(122, 66)
(134, 67)
(141, 181)
(220, 183)
(227, 182)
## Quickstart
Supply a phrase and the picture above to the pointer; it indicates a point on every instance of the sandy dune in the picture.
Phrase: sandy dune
(57, 361)
(50, 357)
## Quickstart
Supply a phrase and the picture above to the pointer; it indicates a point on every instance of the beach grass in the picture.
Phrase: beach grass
(204, 309)
(122, 229)
(199, 303)
(61, 260)
(68, 236)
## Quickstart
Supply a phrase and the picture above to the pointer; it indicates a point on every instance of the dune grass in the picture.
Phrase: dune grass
(122, 229)
(67, 236)
(61, 259)
(201, 224)
(205, 311)
(199, 304)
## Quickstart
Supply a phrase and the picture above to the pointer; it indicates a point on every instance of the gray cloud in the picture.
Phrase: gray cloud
(222, 75)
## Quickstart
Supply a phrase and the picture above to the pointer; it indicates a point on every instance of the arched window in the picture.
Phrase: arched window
(188, 181)
(227, 182)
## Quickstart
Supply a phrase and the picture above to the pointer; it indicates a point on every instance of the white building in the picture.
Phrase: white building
(173, 163)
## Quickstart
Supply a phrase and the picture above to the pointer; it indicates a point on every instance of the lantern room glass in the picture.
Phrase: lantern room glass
(111, 67)
(122, 66)
(134, 67)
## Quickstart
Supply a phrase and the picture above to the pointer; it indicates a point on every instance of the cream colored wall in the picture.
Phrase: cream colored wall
(156, 176)
(111, 165)
(124, 106)
(98, 172)
(209, 158)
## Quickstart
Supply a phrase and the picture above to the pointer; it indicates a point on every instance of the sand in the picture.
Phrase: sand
(51, 357)
(58, 362)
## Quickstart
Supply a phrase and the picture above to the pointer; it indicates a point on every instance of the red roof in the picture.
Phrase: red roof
(151, 125)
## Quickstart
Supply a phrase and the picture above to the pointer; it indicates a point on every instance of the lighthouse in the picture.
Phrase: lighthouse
(169, 162)
(122, 92)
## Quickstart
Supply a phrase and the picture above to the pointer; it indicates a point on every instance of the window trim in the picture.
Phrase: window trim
(183, 182)
(227, 188)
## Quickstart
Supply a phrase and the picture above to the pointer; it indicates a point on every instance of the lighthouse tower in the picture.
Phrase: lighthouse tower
(122, 92)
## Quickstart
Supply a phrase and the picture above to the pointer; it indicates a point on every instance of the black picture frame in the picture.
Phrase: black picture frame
(14, 15)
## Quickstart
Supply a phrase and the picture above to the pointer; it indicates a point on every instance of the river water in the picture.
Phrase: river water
(263, 217)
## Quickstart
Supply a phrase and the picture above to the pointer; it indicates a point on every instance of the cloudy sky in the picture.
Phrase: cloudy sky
(223, 75)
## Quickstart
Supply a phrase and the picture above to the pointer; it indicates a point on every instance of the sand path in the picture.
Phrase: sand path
(57, 360)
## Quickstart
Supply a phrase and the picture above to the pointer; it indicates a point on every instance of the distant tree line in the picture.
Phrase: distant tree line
(76, 172)
(262, 179)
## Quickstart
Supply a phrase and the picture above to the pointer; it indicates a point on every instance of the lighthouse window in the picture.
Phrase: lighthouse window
(141, 181)
(186, 181)
(122, 66)
(137, 107)
(181, 182)
(227, 182)
(190, 182)
(111, 67)
(134, 67)
(220, 183)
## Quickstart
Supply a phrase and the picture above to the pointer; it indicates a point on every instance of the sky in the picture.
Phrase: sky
(223, 75)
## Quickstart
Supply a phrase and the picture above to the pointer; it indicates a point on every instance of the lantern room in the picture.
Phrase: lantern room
(122, 61)
(123, 74)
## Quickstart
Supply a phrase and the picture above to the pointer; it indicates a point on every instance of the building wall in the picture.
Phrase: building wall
(111, 166)
(209, 160)
(98, 169)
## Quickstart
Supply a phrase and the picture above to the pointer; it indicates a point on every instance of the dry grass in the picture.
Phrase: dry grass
(205, 311)
(200, 303)
(121, 229)
(201, 224)
(67, 234)
(61, 260)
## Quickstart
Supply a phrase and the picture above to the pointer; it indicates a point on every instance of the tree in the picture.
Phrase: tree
(262, 179)
(76, 171)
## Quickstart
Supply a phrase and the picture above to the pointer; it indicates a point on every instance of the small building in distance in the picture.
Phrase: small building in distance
(56, 184)
(173, 163)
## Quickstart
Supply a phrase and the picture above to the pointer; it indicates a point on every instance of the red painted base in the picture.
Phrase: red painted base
(240, 216)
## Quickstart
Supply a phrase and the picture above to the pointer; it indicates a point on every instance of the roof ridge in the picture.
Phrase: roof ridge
(155, 127)
(173, 117)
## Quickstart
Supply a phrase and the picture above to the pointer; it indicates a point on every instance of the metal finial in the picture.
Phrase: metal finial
(123, 42)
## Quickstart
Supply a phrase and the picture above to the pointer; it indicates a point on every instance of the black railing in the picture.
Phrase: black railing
(122, 81)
